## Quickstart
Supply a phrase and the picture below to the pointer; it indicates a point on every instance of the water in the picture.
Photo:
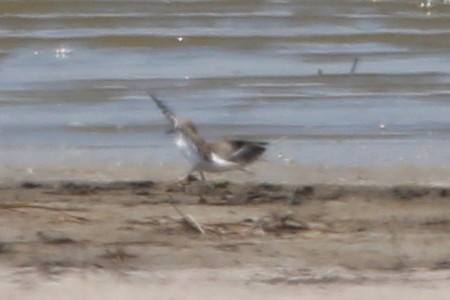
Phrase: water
(75, 75)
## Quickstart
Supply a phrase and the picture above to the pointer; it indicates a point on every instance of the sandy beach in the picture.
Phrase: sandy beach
(139, 239)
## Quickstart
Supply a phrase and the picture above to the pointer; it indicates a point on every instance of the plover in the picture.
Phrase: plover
(220, 156)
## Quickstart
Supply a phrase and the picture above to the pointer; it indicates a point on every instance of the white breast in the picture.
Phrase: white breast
(188, 149)
(190, 152)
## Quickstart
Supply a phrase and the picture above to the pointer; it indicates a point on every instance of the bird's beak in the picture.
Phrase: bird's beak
(170, 131)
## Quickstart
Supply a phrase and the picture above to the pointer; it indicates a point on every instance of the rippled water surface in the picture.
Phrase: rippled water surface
(336, 83)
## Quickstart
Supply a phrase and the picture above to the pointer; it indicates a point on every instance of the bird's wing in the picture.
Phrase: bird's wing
(239, 151)
(188, 131)
(171, 117)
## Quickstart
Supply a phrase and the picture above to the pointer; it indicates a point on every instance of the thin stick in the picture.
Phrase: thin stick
(189, 220)
(24, 205)
(355, 63)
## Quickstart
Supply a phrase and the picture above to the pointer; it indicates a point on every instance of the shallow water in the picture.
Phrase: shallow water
(75, 76)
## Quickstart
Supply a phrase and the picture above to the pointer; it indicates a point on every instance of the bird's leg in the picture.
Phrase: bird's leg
(202, 176)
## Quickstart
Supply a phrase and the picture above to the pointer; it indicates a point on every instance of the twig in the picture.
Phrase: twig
(189, 221)
(355, 63)
(23, 205)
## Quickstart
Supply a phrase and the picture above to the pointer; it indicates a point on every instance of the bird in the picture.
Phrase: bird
(220, 156)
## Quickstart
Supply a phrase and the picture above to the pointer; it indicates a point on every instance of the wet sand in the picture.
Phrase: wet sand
(188, 240)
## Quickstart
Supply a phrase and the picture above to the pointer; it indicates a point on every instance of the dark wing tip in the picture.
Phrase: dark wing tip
(246, 151)
(158, 102)
(164, 108)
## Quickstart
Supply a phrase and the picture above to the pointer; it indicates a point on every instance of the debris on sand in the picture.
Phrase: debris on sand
(54, 237)
(189, 221)
(276, 222)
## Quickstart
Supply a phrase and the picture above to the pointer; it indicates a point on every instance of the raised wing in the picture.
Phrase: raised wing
(187, 128)
(166, 111)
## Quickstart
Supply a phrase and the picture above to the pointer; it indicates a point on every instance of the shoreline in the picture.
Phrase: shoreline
(289, 173)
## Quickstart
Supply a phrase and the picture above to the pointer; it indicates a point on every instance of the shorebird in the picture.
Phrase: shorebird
(220, 156)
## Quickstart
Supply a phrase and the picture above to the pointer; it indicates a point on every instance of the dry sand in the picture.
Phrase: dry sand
(222, 240)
